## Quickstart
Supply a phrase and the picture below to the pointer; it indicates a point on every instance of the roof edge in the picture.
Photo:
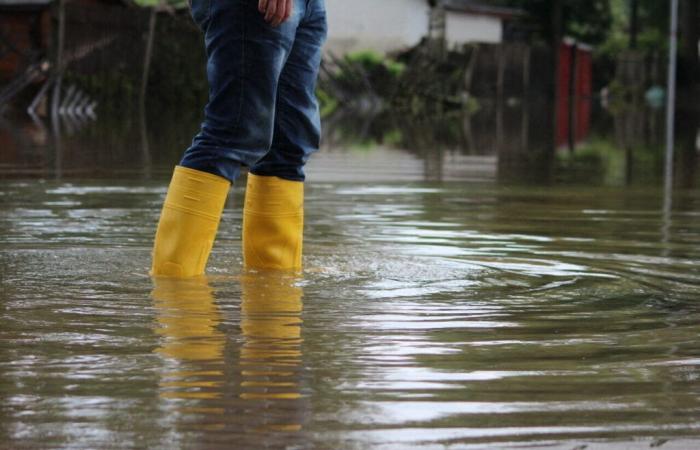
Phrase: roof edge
(470, 7)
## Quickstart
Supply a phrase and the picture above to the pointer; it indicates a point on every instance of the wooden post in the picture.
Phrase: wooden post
(634, 23)
(671, 97)
(670, 128)
(58, 63)
(148, 53)
(556, 20)
(59, 67)
(471, 68)
(573, 97)
(527, 56)
(557, 26)
(690, 35)
(147, 58)
(500, 76)
(525, 104)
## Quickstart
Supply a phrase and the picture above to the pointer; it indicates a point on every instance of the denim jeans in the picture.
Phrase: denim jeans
(262, 111)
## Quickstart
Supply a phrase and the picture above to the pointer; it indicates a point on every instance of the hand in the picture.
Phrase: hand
(276, 11)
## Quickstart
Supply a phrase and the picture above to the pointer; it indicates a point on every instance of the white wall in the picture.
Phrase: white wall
(462, 28)
(380, 25)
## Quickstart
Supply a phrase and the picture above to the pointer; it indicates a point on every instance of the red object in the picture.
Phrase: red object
(574, 93)
(583, 93)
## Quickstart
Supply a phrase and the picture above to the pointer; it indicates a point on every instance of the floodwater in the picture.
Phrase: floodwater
(444, 304)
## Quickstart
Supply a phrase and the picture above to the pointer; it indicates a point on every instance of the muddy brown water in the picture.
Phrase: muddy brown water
(462, 312)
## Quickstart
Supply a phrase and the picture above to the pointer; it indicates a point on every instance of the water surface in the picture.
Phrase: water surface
(430, 315)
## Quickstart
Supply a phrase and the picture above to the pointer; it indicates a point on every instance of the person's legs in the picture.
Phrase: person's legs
(297, 126)
(245, 57)
(273, 216)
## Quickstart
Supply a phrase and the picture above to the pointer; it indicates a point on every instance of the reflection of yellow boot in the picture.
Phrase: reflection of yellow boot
(271, 324)
(188, 318)
(188, 223)
(273, 222)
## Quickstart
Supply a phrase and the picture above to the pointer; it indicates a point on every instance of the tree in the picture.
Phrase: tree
(690, 35)
(588, 21)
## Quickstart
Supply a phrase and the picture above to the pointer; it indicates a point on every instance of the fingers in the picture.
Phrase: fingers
(276, 11)
(290, 9)
(271, 10)
(282, 13)
(288, 5)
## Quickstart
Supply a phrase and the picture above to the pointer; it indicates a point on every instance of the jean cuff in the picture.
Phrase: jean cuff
(226, 169)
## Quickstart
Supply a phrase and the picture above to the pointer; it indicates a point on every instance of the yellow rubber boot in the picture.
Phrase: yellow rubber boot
(273, 223)
(188, 223)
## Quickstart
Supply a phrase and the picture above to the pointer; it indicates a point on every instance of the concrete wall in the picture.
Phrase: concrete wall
(380, 25)
(462, 28)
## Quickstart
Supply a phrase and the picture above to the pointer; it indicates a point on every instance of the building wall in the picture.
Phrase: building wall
(462, 28)
(380, 25)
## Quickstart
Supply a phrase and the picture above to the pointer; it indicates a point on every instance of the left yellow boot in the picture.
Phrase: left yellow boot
(188, 223)
(273, 223)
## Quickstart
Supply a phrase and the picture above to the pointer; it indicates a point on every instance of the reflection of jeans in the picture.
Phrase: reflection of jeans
(262, 110)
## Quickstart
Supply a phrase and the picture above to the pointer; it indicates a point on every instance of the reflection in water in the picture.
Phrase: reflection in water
(188, 319)
(269, 368)
(271, 354)
(271, 325)
(446, 315)
(504, 141)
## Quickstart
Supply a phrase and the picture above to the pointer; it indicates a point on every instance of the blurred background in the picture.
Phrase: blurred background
(502, 244)
(536, 91)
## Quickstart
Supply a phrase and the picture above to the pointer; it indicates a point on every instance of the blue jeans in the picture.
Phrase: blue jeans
(262, 111)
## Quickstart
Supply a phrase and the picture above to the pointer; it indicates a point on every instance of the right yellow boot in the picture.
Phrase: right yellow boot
(188, 223)
(273, 223)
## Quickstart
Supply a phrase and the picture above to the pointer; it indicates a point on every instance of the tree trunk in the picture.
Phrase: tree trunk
(690, 34)
(634, 23)
(557, 31)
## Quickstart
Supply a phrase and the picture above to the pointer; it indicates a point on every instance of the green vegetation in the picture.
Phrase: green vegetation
(598, 158)
(413, 83)
(613, 27)
(586, 20)
(420, 82)
(373, 61)
(601, 160)
(327, 102)
(649, 39)
(367, 72)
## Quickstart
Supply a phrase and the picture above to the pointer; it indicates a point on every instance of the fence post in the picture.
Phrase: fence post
(501, 70)
(148, 53)
(573, 96)
(671, 97)
(59, 67)
(58, 63)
